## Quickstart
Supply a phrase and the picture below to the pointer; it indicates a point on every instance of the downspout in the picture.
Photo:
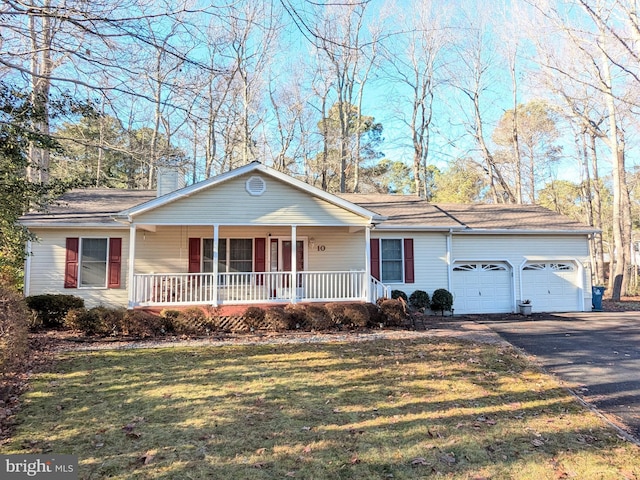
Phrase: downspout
(132, 263)
(214, 283)
(294, 266)
(367, 265)
(27, 269)
(448, 257)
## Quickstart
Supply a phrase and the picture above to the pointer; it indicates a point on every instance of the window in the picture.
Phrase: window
(391, 260)
(93, 262)
(234, 255)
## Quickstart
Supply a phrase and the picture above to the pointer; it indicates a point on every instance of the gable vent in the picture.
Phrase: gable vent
(256, 186)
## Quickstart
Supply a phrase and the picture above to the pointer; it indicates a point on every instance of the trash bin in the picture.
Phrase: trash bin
(596, 298)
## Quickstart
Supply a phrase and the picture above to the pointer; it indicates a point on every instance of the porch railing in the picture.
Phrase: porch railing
(157, 289)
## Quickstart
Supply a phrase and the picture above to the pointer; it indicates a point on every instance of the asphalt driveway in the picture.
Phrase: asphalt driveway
(597, 354)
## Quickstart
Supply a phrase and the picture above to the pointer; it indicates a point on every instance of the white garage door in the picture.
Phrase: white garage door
(551, 286)
(482, 287)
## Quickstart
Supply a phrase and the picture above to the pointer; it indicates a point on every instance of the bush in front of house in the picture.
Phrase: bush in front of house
(298, 316)
(254, 318)
(141, 324)
(95, 321)
(441, 300)
(51, 309)
(318, 318)
(394, 311)
(419, 300)
(277, 319)
(377, 317)
(395, 294)
(336, 311)
(194, 321)
(14, 329)
(356, 315)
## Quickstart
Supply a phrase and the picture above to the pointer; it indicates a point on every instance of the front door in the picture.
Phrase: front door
(280, 257)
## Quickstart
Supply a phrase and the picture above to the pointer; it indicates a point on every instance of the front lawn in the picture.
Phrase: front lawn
(401, 409)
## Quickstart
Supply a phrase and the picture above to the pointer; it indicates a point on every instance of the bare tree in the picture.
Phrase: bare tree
(592, 66)
(476, 62)
(414, 60)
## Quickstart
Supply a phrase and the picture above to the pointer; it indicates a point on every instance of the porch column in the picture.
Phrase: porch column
(214, 283)
(294, 266)
(367, 264)
(132, 263)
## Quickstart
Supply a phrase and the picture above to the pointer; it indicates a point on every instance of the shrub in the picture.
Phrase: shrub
(254, 318)
(51, 309)
(318, 317)
(95, 321)
(277, 319)
(194, 321)
(297, 316)
(419, 300)
(376, 316)
(441, 300)
(336, 312)
(395, 294)
(394, 312)
(139, 323)
(14, 319)
(357, 315)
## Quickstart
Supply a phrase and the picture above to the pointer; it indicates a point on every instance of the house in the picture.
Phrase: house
(255, 235)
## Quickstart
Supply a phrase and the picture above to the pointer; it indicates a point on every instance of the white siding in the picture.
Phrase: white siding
(48, 266)
(430, 260)
(230, 203)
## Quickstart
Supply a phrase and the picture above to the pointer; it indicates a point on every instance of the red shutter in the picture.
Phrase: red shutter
(71, 263)
(375, 258)
(260, 258)
(115, 262)
(194, 255)
(408, 261)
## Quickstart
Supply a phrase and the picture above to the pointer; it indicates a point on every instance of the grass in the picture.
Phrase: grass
(373, 410)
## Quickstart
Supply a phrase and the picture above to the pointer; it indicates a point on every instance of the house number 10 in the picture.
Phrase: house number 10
(321, 248)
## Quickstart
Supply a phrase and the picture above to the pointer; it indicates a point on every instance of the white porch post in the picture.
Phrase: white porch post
(294, 266)
(214, 285)
(367, 264)
(132, 264)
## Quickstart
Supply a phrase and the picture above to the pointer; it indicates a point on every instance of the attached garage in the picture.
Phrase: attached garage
(552, 286)
(482, 287)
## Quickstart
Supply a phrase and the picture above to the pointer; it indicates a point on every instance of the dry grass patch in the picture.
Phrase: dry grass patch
(372, 410)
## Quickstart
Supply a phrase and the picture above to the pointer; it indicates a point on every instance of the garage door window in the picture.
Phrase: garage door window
(555, 267)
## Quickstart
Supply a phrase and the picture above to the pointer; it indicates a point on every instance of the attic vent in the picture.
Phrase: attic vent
(256, 186)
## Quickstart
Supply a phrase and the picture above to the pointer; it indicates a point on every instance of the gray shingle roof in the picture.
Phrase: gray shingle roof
(98, 206)
(89, 206)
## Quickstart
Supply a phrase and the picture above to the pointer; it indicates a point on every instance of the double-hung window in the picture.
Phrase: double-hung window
(234, 255)
(93, 262)
(391, 260)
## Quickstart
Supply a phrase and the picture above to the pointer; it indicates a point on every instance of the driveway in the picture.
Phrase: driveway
(597, 354)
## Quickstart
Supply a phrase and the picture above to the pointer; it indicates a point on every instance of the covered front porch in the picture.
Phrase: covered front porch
(236, 265)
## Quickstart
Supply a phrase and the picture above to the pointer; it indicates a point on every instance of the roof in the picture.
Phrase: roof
(404, 211)
(109, 207)
(88, 207)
